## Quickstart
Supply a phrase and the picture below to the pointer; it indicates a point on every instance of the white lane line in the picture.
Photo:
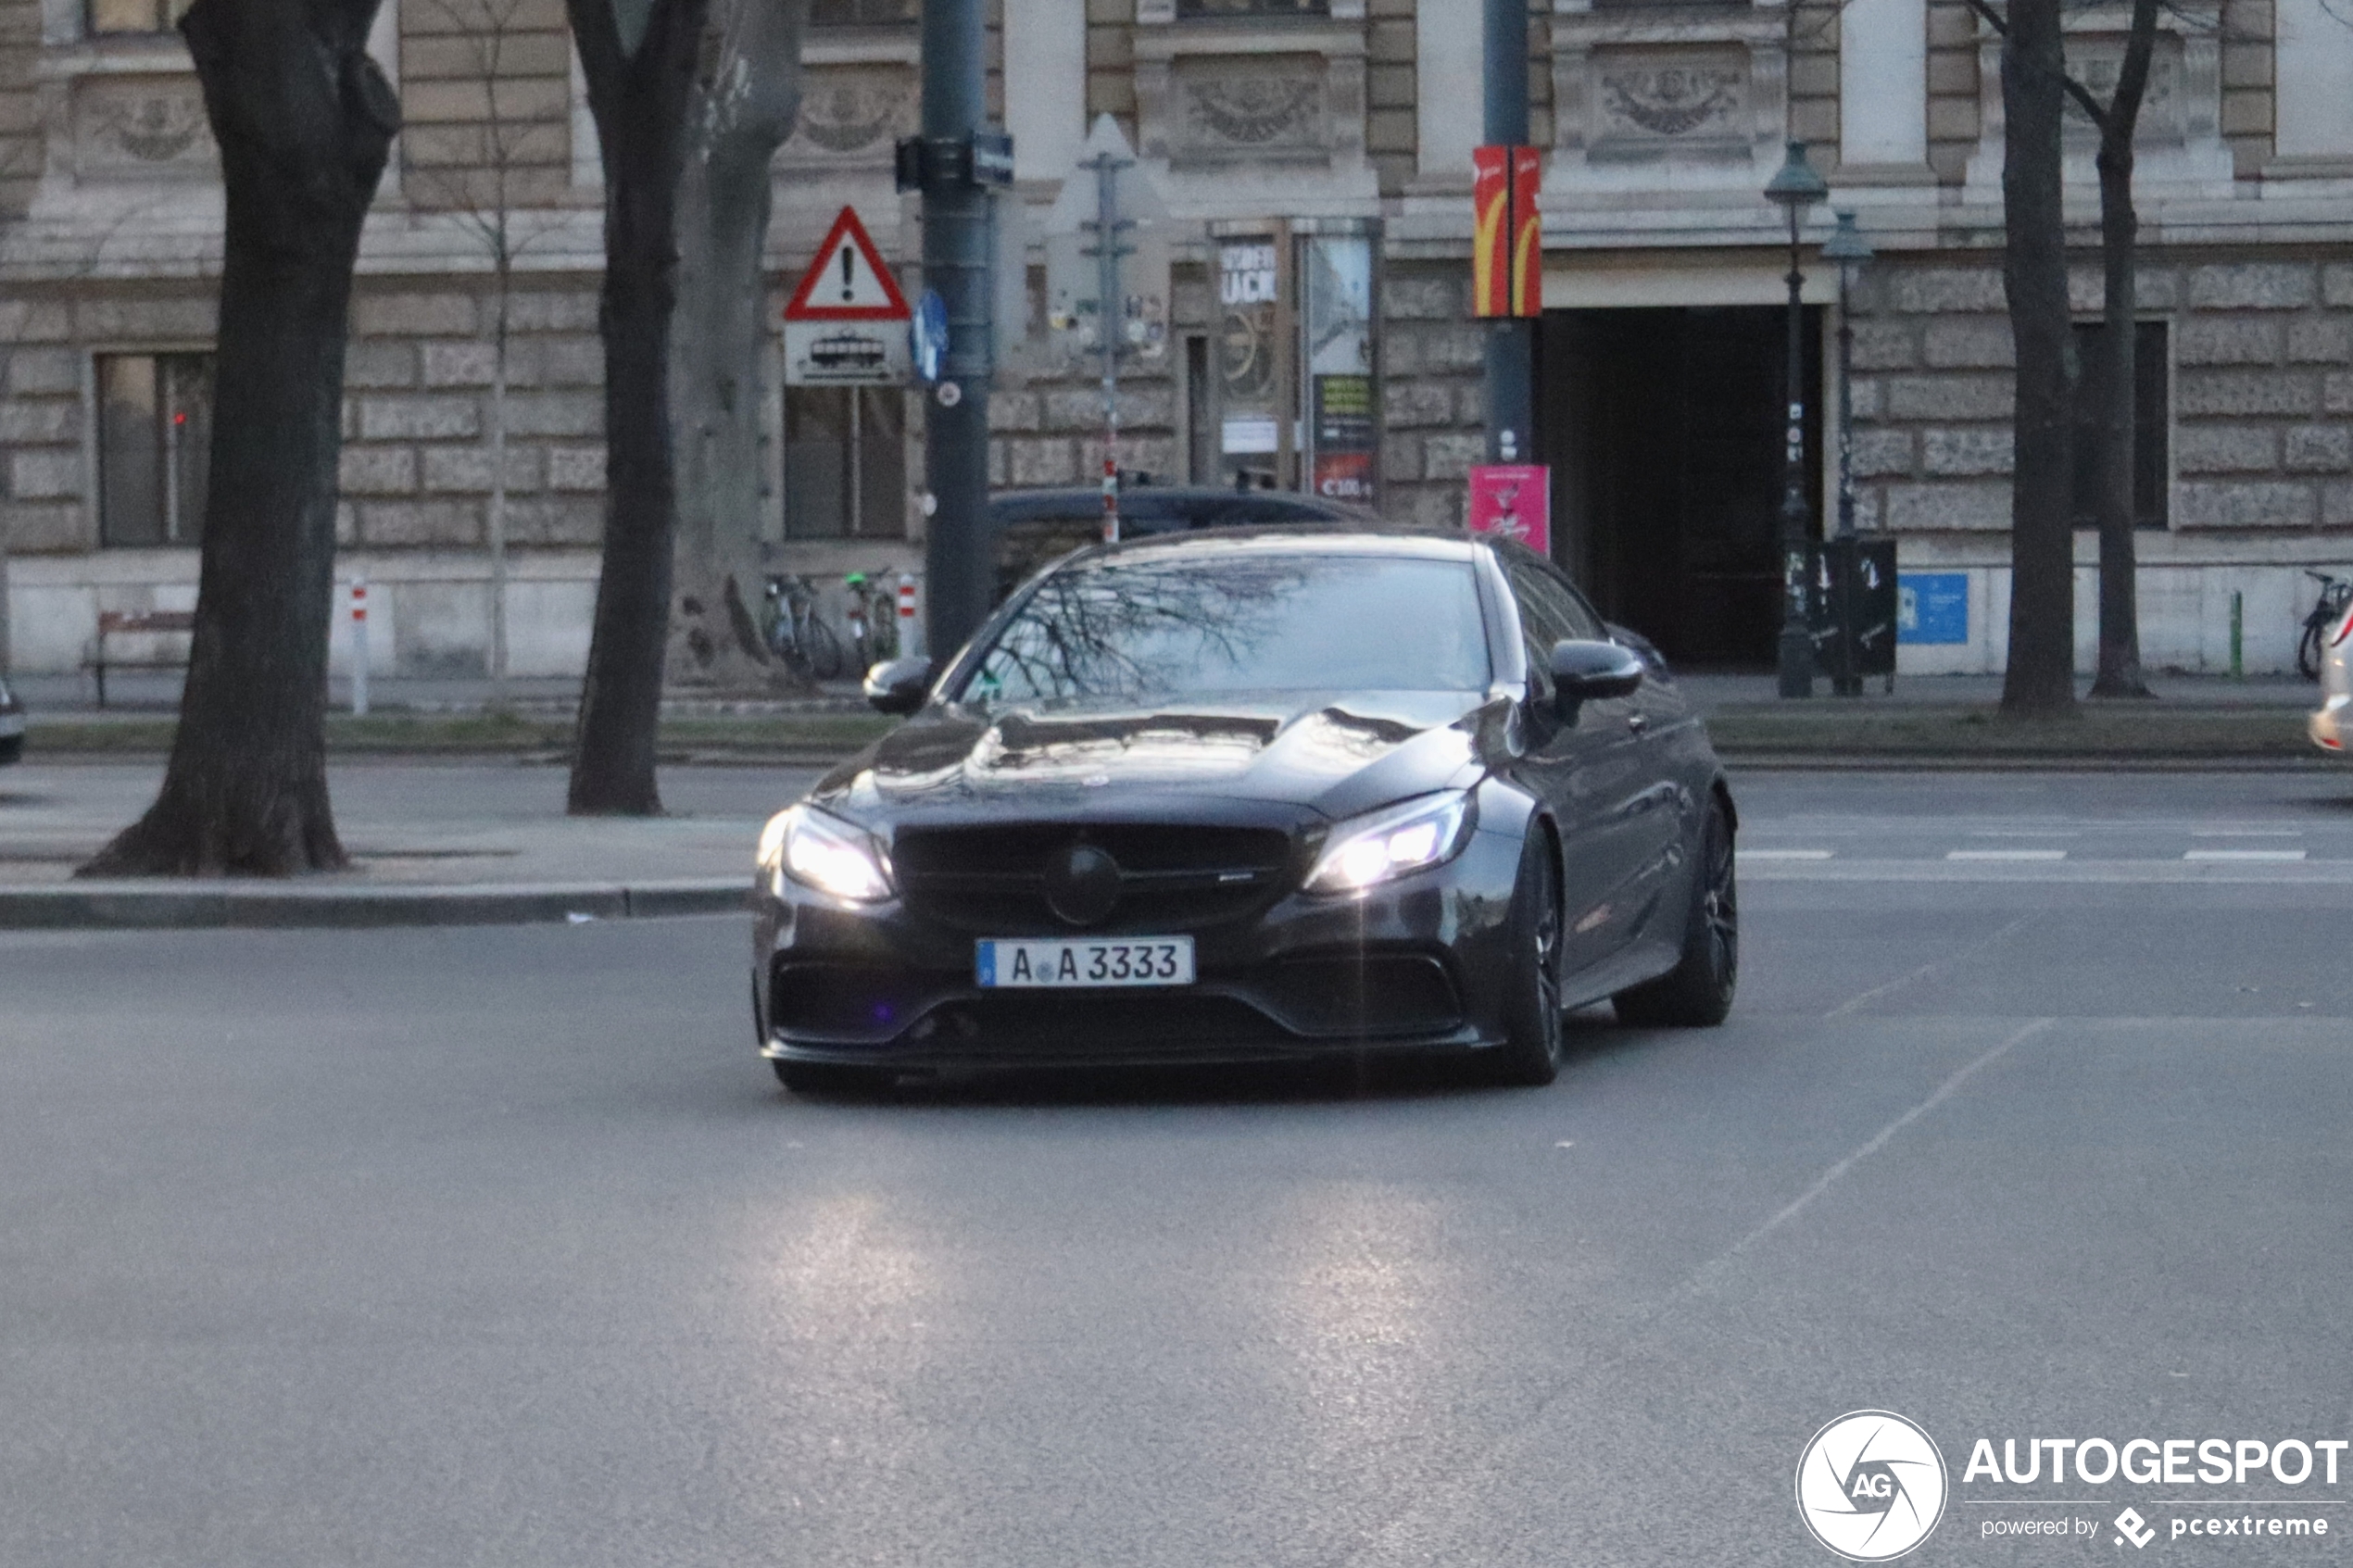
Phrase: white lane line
(1786, 854)
(1934, 966)
(1798, 1205)
(2005, 854)
(2240, 855)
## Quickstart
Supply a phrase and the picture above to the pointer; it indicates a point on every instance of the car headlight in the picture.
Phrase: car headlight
(826, 853)
(1365, 851)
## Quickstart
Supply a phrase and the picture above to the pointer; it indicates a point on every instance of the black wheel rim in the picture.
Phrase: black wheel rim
(1719, 906)
(1548, 980)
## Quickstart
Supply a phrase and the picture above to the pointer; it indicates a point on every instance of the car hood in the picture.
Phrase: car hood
(1335, 754)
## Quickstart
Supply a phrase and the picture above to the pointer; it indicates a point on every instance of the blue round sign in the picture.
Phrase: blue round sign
(927, 335)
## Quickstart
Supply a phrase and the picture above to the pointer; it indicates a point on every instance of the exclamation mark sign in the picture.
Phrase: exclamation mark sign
(848, 274)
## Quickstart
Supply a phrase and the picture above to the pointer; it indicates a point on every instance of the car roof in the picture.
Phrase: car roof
(1174, 506)
(1310, 538)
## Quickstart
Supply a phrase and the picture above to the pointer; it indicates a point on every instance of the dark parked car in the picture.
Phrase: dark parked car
(11, 726)
(1253, 795)
(1036, 526)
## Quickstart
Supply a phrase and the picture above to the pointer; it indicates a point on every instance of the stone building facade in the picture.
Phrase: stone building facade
(1660, 356)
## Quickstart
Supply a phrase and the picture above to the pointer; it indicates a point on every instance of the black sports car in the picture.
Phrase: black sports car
(1248, 795)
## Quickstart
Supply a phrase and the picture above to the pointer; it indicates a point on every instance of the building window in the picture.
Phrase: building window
(845, 463)
(155, 438)
(2152, 456)
(862, 13)
(1191, 8)
(136, 16)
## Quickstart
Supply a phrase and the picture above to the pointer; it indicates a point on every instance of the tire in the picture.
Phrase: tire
(827, 1080)
(1697, 993)
(1531, 1055)
(822, 649)
(2307, 652)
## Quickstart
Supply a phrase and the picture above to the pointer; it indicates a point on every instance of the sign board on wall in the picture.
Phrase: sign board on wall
(1513, 501)
(1250, 353)
(1343, 437)
(847, 322)
(1931, 607)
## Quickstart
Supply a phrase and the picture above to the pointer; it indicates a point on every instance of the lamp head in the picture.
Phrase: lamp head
(1846, 245)
(1795, 185)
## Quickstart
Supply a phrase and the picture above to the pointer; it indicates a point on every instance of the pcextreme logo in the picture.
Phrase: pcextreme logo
(1870, 1486)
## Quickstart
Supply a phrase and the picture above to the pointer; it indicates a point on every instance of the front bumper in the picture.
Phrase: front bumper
(1416, 966)
(2327, 727)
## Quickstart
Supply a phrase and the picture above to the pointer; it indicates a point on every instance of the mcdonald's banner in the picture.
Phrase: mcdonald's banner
(1508, 235)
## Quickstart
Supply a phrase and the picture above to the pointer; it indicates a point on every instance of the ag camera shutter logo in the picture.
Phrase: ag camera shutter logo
(1870, 1486)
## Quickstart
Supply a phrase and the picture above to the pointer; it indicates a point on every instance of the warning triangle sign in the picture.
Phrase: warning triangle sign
(848, 281)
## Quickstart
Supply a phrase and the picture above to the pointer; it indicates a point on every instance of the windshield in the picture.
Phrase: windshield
(1187, 624)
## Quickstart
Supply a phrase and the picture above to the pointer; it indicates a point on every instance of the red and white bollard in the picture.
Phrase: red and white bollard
(358, 646)
(910, 633)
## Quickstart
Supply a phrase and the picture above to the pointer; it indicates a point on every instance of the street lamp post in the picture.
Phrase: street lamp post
(1849, 249)
(1794, 188)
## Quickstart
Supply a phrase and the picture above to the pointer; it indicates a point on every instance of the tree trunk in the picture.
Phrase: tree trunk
(304, 120)
(501, 341)
(745, 109)
(639, 90)
(2040, 681)
(2119, 658)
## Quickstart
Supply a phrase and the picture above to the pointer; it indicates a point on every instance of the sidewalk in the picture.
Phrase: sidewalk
(432, 842)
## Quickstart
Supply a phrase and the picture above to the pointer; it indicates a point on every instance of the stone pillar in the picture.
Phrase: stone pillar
(1448, 89)
(2314, 70)
(1045, 85)
(1882, 84)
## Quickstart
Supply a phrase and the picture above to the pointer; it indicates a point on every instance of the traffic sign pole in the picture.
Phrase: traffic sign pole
(959, 258)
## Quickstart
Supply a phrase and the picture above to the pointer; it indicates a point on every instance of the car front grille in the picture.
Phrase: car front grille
(993, 881)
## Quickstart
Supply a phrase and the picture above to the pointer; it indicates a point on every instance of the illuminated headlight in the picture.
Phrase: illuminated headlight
(826, 853)
(1368, 850)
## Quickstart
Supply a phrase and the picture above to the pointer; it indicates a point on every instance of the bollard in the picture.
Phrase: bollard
(2238, 635)
(910, 632)
(360, 646)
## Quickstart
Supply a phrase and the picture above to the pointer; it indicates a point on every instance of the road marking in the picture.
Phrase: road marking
(2243, 854)
(2247, 833)
(2271, 873)
(2005, 854)
(1785, 854)
(1798, 1205)
(1947, 961)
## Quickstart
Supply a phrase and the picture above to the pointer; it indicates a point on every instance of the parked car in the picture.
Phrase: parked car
(2328, 726)
(1253, 794)
(11, 726)
(1036, 526)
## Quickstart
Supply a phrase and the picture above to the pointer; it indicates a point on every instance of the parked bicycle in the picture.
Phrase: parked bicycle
(794, 632)
(873, 617)
(2337, 596)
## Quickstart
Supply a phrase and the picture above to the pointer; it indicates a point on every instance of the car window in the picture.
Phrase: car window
(1552, 609)
(1195, 623)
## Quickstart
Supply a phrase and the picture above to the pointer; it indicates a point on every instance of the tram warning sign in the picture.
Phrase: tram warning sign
(847, 322)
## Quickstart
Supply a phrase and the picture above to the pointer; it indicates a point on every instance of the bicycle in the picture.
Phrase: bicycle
(795, 633)
(874, 618)
(2337, 596)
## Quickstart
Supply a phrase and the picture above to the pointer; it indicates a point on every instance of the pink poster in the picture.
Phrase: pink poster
(1516, 501)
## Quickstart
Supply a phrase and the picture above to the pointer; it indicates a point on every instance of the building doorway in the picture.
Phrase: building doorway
(1664, 428)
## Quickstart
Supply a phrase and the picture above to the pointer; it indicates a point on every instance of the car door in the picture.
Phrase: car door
(1593, 775)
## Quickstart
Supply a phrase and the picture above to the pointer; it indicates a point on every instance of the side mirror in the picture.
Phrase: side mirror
(1589, 672)
(898, 685)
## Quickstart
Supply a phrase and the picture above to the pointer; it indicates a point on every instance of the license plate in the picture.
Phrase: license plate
(1019, 962)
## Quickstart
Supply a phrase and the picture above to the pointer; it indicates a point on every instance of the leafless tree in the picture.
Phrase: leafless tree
(480, 198)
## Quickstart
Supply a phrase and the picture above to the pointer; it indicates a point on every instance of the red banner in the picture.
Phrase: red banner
(1507, 231)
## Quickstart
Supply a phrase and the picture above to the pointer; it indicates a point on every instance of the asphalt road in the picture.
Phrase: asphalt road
(499, 1246)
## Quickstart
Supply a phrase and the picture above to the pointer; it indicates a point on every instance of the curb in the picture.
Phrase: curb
(221, 903)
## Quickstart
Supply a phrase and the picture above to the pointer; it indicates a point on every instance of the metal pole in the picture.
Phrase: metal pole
(1109, 311)
(1511, 340)
(958, 264)
(1845, 681)
(1797, 636)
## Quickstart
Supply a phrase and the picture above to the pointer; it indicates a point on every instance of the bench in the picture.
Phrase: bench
(136, 624)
